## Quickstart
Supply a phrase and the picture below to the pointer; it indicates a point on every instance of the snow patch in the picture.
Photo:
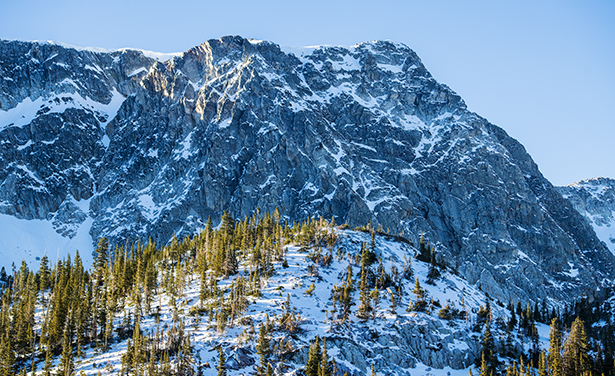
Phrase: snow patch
(573, 272)
(137, 71)
(28, 110)
(29, 240)
(161, 56)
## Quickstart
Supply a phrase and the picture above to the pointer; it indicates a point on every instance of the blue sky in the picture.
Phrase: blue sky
(542, 70)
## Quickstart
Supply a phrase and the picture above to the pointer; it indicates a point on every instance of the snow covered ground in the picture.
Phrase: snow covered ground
(313, 308)
(29, 240)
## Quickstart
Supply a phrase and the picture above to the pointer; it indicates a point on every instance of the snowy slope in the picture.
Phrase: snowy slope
(416, 343)
(28, 240)
(595, 200)
(402, 342)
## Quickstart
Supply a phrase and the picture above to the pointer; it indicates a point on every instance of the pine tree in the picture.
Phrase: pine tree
(424, 254)
(375, 297)
(599, 362)
(488, 345)
(542, 366)
(393, 304)
(575, 359)
(433, 272)
(347, 294)
(102, 256)
(367, 256)
(185, 366)
(364, 301)
(67, 362)
(7, 357)
(325, 365)
(152, 369)
(554, 360)
(512, 323)
(138, 357)
(221, 362)
(421, 294)
(484, 366)
(44, 273)
(48, 362)
(166, 364)
(314, 358)
(263, 347)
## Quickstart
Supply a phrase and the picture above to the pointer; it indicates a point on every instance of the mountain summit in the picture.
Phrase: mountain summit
(122, 145)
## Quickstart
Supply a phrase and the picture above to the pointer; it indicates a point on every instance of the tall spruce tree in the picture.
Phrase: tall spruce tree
(263, 347)
(575, 359)
(221, 362)
(363, 312)
(7, 356)
(67, 362)
(325, 365)
(314, 358)
(554, 360)
(487, 353)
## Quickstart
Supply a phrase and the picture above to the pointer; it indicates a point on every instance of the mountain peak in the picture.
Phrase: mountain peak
(129, 147)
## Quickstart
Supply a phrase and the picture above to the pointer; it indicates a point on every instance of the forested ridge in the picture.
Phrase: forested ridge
(50, 319)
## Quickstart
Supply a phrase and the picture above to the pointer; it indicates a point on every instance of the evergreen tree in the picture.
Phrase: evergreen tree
(424, 250)
(364, 300)
(138, 357)
(43, 273)
(48, 362)
(102, 256)
(375, 297)
(221, 363)
(393, 304)
(512, 323)
(407, 271)
(484, 366)
(185, 366)
(7, 357)
(325, 365)
(368, 257)
(554, 360)
(542, 364)
(433, 272)
(67, 362)
(347, 294)
(488, 346)
(314, 359)
(599, 362)
(421, 294)
(575, 359)
(263, 347)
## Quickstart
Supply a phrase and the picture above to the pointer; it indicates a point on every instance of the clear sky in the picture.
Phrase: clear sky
(542, 70)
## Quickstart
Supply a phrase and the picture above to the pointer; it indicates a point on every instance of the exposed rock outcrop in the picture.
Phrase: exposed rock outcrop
(362, 134)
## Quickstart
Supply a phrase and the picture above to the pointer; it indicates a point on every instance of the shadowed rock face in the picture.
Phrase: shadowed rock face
(361, 133)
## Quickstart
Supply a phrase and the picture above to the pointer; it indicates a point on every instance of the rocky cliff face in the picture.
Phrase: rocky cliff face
(362, 134)
(55, 103)
(595, 200)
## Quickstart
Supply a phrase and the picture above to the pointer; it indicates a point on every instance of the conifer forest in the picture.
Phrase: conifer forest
(144, 302)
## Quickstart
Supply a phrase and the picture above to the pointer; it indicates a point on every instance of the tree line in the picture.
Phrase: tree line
(63, 310)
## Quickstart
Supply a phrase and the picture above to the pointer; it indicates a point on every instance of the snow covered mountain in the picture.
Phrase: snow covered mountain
(122, 145)
(595, 199)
